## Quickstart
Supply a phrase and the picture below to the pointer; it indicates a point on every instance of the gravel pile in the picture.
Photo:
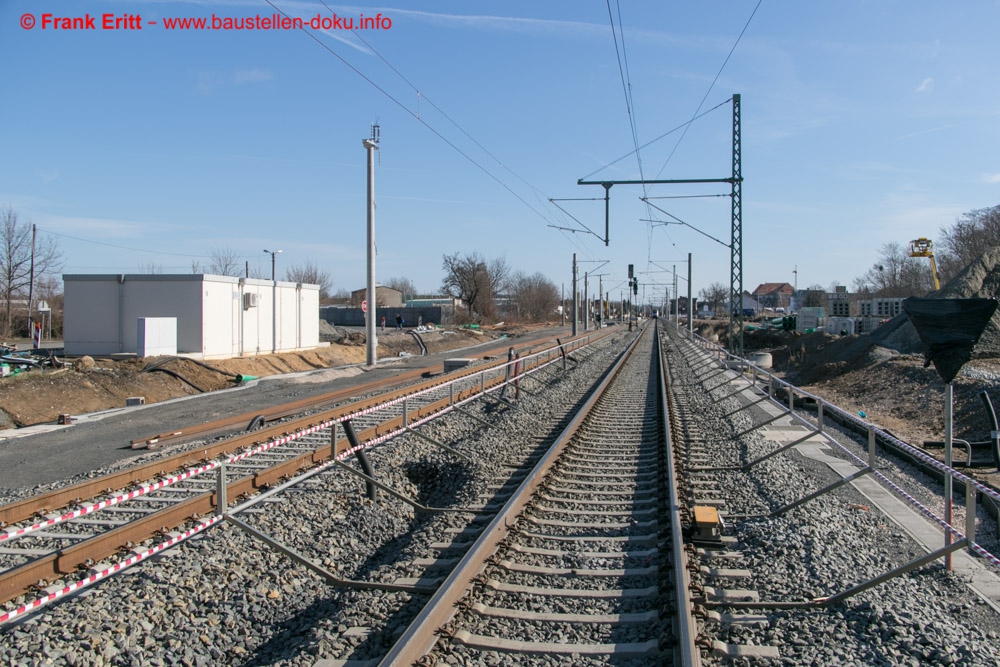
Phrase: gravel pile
(225, 598)
(824, 547)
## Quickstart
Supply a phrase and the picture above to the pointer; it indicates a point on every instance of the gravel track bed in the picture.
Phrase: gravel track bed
(824, 547)
(225, 598)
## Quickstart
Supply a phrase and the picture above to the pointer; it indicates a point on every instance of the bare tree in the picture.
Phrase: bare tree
(964, 241)
(715, 295)
(533, 298)
(225, 261)
(259, 271)
(20, 252)
(150, 268)
(311, 274)
(475, 280)
(404, 285)
(896, 275)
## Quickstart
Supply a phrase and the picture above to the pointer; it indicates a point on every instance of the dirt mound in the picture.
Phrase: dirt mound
(819, 356)
(99, 384)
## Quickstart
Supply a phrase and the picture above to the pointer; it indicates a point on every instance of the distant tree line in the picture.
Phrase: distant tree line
(491, 291)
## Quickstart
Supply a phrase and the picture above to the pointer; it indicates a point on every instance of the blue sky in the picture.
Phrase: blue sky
(863, 122)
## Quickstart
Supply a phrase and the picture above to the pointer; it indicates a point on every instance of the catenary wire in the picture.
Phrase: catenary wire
(417, 117)
(654, 140)
(711, 86)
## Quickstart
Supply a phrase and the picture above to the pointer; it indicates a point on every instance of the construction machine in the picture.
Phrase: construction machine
(924, 248)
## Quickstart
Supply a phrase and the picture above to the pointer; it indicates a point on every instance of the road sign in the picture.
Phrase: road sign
(364, 306)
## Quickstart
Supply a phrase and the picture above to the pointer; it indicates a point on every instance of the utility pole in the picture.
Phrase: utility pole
(586, 302)
(31, 283)
(600, 293)
(371, 340)
(690, 304)
(573, 311)
(677, 299)
(274, 302)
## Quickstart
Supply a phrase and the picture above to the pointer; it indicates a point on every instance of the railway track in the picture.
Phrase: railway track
(554, 522)
(585, 561)
(56, 543)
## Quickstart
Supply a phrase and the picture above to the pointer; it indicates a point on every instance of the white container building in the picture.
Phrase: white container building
(217, 316)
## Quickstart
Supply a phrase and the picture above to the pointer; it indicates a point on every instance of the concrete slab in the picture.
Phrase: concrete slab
(455, 363)
(744, 650)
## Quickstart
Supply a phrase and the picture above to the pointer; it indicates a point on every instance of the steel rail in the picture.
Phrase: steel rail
(59, 498)
(686, 650)
(26, 577)
(421, 635)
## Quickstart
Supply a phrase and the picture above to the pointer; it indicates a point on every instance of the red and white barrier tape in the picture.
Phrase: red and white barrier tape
(107, 572)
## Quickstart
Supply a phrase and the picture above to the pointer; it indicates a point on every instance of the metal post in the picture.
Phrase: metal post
(970, 514)
(791, 398)
(600, 300)
(31, 281)
(819, 418)
(359, 453)
(574, 294)
(333, 440)
(221, 503)
(690, 304)
(517, 369)
(371, 337)
(871, 447)
(948, 434)
(405, 413)
(607, 211)
(736, 243)
(677, 302)
(586, 301)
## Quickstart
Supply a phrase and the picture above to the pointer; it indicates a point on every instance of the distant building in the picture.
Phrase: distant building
(749, 303)
(384, 297)
(774, 295)
(442, 301)
(838, 302)
(883, 308)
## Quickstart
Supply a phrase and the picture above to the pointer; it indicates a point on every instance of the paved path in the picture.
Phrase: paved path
(49, 453)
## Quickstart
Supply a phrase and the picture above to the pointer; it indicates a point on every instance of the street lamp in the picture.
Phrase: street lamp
(273, 254)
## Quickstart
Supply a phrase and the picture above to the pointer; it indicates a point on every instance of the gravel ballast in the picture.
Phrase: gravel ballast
(824, 547)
